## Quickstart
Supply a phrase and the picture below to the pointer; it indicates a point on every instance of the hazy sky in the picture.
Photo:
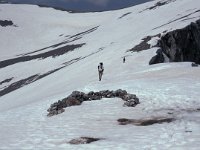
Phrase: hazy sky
(84, 5)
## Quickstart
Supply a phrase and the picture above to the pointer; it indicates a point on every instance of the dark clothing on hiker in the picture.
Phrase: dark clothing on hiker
(100, 70)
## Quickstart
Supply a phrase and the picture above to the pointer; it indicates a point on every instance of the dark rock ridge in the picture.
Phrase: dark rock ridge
(77, 97)
(124, 15)
(18, 84)
(69, 39)
(158, 4)
(5, 81)
(53, 53)
(180, 45)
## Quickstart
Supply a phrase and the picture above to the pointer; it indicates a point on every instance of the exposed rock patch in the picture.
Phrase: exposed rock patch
(70, 38)
(18, 84)
(159, 58)
(52, 53)
(83, 140)
(145, 122)
(5, 23)
(180, 45)
(5, 81)
(77, 97)
(126, 14)
(194, 65)
(144, 45)
(158, 4)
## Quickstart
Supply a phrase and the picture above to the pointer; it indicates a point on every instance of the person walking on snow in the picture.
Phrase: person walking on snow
(100, 70)
(124, 59)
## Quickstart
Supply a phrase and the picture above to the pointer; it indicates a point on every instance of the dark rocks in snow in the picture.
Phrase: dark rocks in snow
(5, 23)
(158, 4)
(18, 84)
(52, 53)
(21, 83)
(145, 122)
(144, 45)
(5, 81)
(70, 101)
(70, 38)
(194, 65)
(55, 111)
(57, 107)
(130, 100)
(182, 45)
(83, 140)
(120, 93)
(159, 58)
(124, 15)
(77, 97)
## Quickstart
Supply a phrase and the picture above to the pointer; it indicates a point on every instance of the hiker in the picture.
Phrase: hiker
(124, 59)
(100, 69)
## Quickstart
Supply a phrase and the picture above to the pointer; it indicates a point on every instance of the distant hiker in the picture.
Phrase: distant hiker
(100, 70)
(124, 59)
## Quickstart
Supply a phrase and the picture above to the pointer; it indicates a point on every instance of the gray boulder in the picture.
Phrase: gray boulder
(120, 93)
(129, 96)
(131, 103)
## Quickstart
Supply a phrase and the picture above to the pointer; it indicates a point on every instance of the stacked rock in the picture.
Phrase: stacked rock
(77, 97)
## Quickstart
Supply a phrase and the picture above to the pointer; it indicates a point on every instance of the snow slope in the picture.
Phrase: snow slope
(170, 89)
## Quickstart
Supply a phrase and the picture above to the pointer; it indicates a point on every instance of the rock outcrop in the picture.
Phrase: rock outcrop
(180, 45)
(83, 140)
(5, 23)
(159, 58)
(77, 97)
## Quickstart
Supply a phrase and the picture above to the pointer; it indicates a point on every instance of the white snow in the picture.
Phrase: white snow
(169, 89)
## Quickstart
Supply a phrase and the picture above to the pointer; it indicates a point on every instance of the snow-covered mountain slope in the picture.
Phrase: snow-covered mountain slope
(46, 54)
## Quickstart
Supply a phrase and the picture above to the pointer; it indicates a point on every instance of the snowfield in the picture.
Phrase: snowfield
(35, 77)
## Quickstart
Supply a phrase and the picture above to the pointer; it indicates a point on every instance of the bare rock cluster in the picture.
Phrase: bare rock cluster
(77, 97)
(83, 140)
